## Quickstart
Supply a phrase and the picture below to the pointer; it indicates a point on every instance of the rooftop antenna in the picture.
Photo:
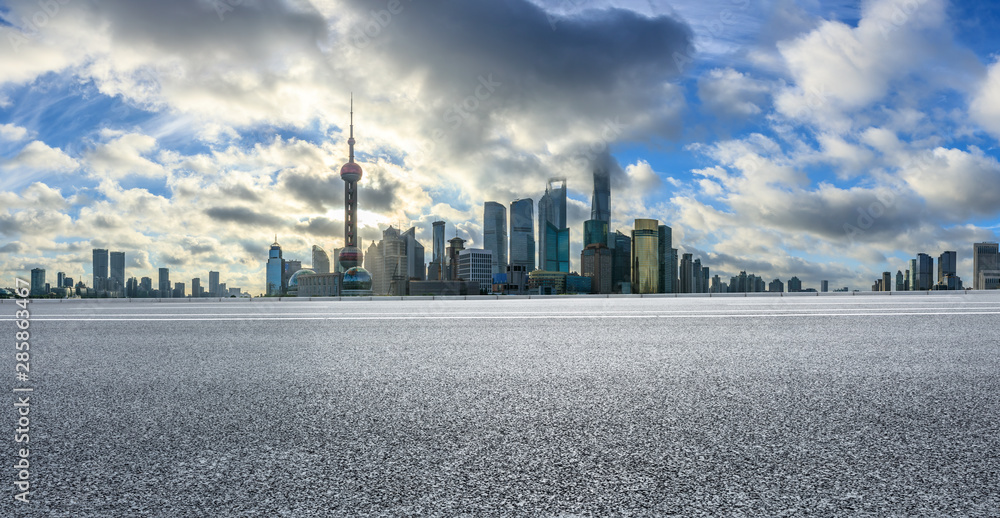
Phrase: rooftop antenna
(350, 141)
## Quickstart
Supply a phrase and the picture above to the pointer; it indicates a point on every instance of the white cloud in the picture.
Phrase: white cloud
(12, 133)
(837, 69)
(984, 107)
(728, 93)
(124, 157)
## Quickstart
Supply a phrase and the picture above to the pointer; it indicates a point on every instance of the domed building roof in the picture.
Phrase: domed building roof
(357, 281)
(293, 281)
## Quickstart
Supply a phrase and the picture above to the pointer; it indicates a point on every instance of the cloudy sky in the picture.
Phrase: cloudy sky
(823, 139)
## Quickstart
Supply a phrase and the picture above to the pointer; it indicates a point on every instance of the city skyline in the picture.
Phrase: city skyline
(755, 157)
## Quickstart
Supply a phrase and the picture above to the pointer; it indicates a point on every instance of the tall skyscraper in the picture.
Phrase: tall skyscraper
(600, 201)
(275, 273)
(455, 245)
(100, 269)
(824, 286)
(415, 266)
(696, 269)
(597, 262)
(925, 272)
(196, 287)
(665, 252)
(674, 268)
(553, 235)
(622, 263)
(60, 280)
(117, 273)
(914, 283)
(886, 281)
(388, 263)
(37, 282)
(645, 256)
(595, 231)
(687, 274)
(213, 277)
(947, 265)
(985, 258)
(438, 260)
(320, 260)
(522, 234)
(495, 234)
(166, 290)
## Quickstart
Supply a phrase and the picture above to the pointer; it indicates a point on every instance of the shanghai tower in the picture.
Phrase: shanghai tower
(600, 202)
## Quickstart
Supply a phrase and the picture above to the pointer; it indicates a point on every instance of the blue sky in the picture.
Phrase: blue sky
(827, 140)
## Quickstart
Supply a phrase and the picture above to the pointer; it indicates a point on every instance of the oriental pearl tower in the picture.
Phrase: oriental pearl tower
(357, 280)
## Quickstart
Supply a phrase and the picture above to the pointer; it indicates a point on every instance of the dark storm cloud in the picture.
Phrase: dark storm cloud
(244, 216)
(12, 248)
(254, 248)
(195, 27)
(240, 192)
(597, 50)
(321, 193)
(381, 198)
(511, 59)
(855, 216)
(321, 226)
(175, 260)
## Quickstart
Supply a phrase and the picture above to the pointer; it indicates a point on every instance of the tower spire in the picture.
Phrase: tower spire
(350, 141)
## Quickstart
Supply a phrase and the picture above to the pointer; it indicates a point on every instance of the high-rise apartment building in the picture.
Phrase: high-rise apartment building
(164, 283)
(476, 265)
(495, 234)
(116, 275)
(596, 262)
(687, 274)
(37, 282)
(985, 259)
(196, 287)
(100, 269)
(925, 272)
(794, 285)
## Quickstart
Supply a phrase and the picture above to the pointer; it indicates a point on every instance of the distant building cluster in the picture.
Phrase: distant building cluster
(642, 260)
(919, 272)
(109, 282)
